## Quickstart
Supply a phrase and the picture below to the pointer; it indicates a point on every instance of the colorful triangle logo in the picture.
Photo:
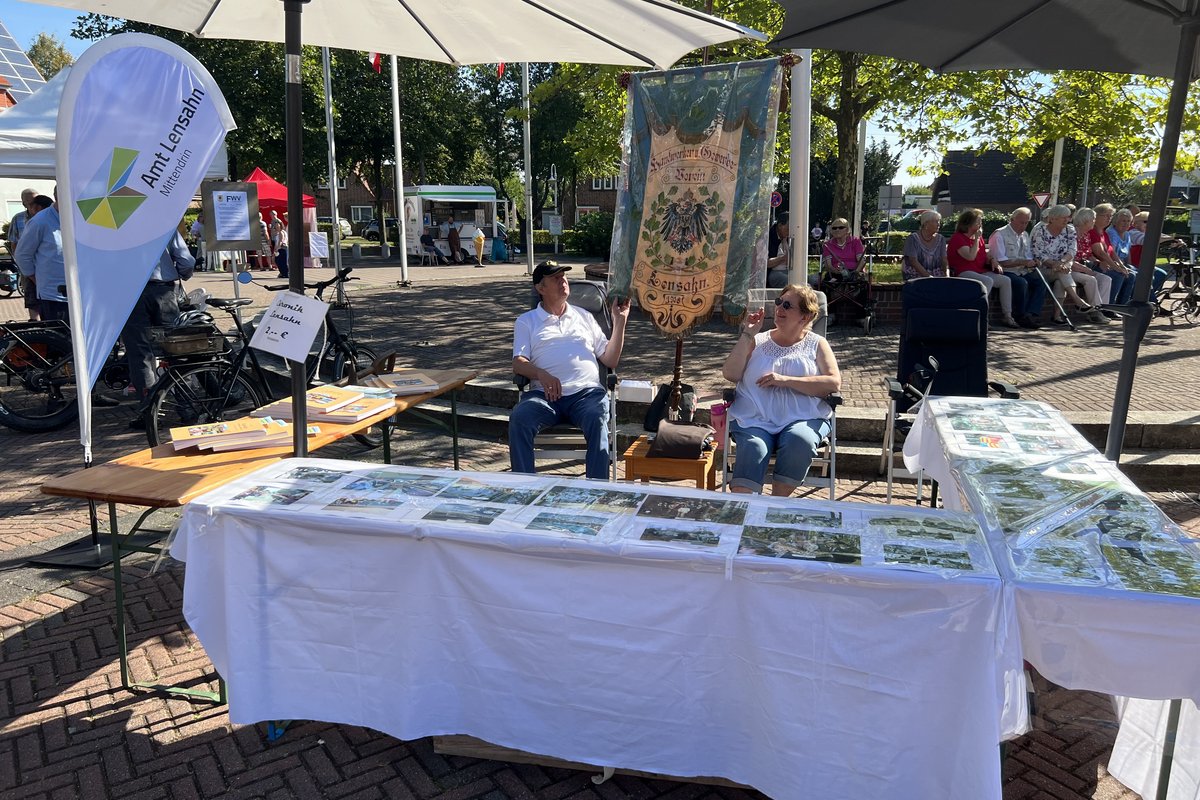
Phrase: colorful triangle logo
(111, 201)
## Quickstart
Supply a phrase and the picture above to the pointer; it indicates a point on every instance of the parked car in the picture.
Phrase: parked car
(343, 224)
(371, 231)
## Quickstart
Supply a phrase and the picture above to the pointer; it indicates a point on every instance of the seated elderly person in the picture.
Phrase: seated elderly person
(1091, 260)
(1121, 236)
(1054, 245)
(1009, 249)
(841, 256)
(556, 346)
(925, 250)
(782, 376)
(968, 258)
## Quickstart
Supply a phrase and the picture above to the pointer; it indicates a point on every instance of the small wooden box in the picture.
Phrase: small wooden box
(639, 466)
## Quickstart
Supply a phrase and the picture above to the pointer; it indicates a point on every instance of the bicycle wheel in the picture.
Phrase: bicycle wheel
(37, 382)
(1191, 307)
(364, 357)
(203, 394)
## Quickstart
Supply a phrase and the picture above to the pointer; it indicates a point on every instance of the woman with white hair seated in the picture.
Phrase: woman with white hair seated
(1120, 236)
(967, 256)
(925, 250)
(1088, 266)
(1054, 245)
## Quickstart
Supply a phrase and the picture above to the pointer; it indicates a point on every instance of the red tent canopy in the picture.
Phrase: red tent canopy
(272, 195)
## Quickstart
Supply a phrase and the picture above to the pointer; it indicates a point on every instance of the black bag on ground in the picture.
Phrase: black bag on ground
(660, 409)
(681, 441)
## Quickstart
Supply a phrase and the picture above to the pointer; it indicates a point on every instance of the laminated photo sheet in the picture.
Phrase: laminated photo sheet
(1005, 430)
(1079, 521)
(943, 543)
(1025, 501)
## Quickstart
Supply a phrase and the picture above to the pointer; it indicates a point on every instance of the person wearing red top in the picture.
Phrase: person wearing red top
(967, 255)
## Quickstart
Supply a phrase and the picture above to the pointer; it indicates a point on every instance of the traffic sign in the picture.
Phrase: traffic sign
(1041, 198)
(776, 199)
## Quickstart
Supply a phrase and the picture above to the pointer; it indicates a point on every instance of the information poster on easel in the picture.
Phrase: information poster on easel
(231, 216)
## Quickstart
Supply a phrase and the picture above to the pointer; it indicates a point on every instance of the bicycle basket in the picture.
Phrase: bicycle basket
(189, 340)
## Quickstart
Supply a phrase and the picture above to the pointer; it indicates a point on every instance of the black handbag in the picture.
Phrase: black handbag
(660, 409)
(681, 441)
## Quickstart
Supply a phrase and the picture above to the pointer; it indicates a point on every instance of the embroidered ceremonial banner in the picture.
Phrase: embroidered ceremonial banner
(693, 205)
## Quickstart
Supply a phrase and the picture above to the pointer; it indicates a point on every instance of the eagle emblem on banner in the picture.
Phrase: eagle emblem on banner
(694, 197)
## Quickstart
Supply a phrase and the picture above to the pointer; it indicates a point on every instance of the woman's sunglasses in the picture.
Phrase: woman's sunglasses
(786, 305)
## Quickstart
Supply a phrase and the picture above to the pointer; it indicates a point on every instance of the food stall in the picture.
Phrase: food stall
(427, 209)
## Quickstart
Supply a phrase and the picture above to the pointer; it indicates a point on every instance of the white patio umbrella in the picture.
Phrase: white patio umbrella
(1146, 37)
(650, 33)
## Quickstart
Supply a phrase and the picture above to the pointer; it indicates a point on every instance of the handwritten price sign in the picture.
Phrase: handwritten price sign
(289, 326)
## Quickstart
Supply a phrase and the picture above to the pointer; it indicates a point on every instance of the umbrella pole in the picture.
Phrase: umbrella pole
(295, 183)
(1136, 316)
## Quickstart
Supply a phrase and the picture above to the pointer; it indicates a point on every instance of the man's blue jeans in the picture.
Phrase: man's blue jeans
(587, 409)
(1028, 293)
(796, 444)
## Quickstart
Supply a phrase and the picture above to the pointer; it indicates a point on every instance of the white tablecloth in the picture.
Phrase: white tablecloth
(1105, 638)
(803, 679)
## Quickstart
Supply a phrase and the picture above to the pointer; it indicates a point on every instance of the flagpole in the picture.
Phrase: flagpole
(400, 222)
(528, 171)
(333, 187)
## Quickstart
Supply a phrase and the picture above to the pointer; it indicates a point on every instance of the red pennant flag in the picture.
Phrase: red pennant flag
(500, 70)
(376, 61)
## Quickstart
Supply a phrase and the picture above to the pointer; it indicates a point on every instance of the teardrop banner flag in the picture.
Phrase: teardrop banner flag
(693, 204)
(140, 121)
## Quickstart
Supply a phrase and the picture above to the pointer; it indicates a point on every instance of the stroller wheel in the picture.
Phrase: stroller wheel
(868, 322)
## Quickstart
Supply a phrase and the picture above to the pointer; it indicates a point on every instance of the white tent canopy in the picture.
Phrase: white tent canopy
(29, 132)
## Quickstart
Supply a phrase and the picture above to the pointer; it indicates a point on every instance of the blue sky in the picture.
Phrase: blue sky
(26, 20)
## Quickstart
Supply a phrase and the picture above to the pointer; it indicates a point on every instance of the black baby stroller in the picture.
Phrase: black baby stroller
(943, 341)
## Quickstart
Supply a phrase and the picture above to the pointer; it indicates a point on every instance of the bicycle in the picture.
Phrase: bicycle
(331, 359)
(212, 378)
(37, 376)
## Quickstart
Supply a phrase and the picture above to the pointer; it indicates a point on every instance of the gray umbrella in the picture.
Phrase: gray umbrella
(1147, 37)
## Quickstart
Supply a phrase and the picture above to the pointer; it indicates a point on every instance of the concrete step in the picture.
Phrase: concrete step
(1157, 431)
(860, 437)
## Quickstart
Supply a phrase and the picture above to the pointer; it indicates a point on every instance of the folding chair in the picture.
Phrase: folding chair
(852, 297)
(943, 333)
(825, 461)
(565, 442)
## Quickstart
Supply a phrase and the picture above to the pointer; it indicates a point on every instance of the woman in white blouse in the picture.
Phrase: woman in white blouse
(782, 376)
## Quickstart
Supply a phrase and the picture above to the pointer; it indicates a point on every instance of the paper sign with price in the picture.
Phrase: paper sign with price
(289, 326)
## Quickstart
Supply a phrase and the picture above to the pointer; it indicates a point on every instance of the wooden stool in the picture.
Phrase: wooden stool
(639, 466)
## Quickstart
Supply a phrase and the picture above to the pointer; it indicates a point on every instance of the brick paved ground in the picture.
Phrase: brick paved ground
(65, 734)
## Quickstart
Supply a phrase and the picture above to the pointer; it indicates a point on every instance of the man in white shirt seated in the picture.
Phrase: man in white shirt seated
(1010, 248)
(556, 346)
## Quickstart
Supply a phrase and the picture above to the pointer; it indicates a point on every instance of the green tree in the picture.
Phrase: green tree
(49, 55)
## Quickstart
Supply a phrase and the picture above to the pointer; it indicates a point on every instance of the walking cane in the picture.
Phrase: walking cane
(1058, 304)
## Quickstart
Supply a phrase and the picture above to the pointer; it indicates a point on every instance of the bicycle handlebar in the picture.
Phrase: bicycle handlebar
(341, 277)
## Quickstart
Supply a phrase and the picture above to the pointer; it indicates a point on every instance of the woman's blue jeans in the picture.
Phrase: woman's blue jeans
(796, 446)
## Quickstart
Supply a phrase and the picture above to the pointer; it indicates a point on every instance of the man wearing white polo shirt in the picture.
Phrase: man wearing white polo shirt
(557, 346)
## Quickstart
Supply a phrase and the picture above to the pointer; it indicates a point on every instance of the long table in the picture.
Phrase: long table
(162, 477)
(1107, 588)
(662, 629)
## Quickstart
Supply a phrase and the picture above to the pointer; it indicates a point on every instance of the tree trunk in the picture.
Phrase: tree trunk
(847, 164)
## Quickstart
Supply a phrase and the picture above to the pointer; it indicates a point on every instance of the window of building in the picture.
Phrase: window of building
(583, 211)
(325, 184)
(597, 184)
(362, 213)
(608, 181)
